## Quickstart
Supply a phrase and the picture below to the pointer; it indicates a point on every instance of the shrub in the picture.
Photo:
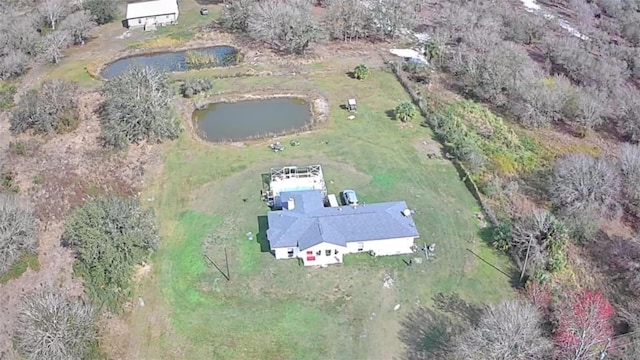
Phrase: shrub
(192, 87)
(630, 166)
(51, 326)
(509, 330)
(361, 72)
(13, 65)
(406, 111)
(629, 112)
(7, 182)
(540, 236)
(17, 230)
(137, 107)
(104, 11)
(110, 236)
(581, 184)
(52, 109)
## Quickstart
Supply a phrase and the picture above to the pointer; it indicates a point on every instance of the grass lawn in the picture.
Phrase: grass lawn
(207, 198)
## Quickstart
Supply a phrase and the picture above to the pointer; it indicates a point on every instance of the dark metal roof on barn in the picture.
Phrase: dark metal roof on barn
(310, 223)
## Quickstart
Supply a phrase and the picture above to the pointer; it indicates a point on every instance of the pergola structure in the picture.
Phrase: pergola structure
(294, 178)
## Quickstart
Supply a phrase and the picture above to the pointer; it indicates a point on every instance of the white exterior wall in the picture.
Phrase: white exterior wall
(313, 259)
(158, 20)
(283, 253)
(383, 247)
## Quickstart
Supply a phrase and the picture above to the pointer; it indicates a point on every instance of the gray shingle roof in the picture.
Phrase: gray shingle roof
(310, 223)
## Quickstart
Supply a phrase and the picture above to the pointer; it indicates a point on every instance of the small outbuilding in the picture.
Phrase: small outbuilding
(150, 14)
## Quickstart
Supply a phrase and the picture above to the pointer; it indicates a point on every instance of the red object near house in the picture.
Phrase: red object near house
(309, 252)
(311, 258)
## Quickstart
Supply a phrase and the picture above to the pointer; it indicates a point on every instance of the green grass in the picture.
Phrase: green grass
(276, 309)
(25, 262)
(7, 92)
(73, 70)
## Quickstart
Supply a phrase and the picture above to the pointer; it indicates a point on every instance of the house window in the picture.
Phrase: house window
(139, 21)
(327, 252)
(167, 16)
(290, 252)
(360, 246)
(319, 252)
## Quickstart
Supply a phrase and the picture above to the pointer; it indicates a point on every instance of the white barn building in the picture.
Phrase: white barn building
(150, 14)
(320, 235)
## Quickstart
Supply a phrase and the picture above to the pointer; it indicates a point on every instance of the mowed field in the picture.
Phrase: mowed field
(207, 199)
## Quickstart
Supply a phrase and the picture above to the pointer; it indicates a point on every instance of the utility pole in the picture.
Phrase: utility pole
(526, 258)
(226, 260)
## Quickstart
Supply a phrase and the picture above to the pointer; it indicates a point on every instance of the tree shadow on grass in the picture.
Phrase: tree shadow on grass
(427, 334)
(454, 305)
(391, 114)
(351, 74)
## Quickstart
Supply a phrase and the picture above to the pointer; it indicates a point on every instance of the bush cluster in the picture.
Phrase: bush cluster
(17, 230)
(51, 109)
(110, 236)
(193, 86)
(137, 107)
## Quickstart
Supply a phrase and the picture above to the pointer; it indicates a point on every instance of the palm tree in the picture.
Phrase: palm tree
(406, 111)
(361, 72)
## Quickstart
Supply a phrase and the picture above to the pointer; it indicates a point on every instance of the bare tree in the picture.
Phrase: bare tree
(537, 102)
(582, 184)
(79, 25)
(390, 18)
(17, 230)
(520, 26)
(629, 112)
(53, 11)
(138, 107)
(510, 330)
(287, 25)
(54, 44)
(347, 20)
(13, 64)
(630, 166)
(19, 33)
(51, 109)
(54, 327)
(532, 236)
(235, 15)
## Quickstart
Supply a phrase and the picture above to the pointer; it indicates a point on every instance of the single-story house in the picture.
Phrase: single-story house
(320, 235)
(152, 13)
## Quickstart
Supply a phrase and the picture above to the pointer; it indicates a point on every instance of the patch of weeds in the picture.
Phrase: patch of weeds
(27, 261)
(7, 179)
(479, 137)
(94, 190)
(7, 91)
(38, 179)
(161, 42)
(18, 147)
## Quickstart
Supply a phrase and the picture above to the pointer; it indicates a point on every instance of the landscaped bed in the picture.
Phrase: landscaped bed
(208, 200)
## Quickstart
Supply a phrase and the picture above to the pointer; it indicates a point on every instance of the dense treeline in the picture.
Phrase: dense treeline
(27, 36)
